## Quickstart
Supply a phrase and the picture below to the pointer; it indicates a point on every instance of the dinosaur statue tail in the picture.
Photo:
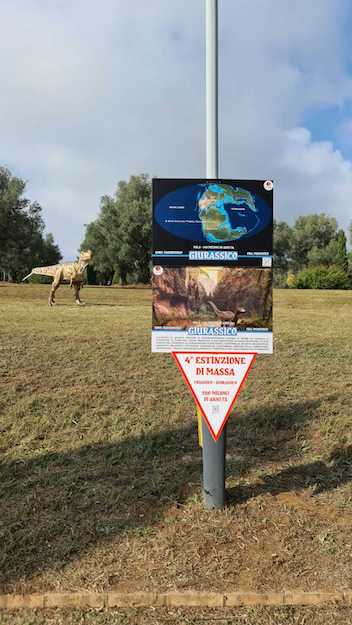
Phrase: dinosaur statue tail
(29, 275)
(44, 271)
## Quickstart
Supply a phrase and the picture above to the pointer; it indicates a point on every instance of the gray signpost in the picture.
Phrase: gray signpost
(211, 42)
(182, 246)
(214, 452)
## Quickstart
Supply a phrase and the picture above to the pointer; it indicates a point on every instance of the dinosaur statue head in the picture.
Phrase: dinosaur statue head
(86, 256)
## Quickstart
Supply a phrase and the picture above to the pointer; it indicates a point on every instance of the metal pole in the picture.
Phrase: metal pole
(213, 452)
(211, 39)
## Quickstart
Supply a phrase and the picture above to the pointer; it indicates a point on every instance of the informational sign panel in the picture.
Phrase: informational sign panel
(212, 265)
(215, 380)
(212, 222)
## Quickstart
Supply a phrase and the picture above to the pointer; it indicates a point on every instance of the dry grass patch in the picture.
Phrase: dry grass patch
(329, 615)
(100, 471)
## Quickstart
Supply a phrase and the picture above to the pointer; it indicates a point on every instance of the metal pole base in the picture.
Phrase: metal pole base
(214, 494)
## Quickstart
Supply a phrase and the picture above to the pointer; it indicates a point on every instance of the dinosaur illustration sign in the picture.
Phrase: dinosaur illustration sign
(215, 380)
(212, 308)
(212, 265)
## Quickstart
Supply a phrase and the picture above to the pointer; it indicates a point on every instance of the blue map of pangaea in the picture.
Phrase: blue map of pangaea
(212, 213)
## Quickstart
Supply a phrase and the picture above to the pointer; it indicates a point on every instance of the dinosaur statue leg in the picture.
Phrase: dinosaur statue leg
(54, 286)
(77, 286)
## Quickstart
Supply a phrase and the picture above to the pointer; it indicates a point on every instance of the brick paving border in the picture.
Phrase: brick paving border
(185, 599)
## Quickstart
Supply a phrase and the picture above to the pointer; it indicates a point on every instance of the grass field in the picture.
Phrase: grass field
(100, 470)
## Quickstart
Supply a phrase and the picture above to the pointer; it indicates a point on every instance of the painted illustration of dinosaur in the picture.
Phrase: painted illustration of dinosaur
(227, 315)
(65, 272)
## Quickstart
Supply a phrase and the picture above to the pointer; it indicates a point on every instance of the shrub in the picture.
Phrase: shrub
(291, 281)
(279, 279)
(323, 278)
(116, 279)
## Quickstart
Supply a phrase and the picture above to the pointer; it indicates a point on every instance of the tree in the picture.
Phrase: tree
(341, 255)
(335, 253)
(120, 238)
(50, 250)
(311, 231)
(22, 241)
(11, 207)
(133, 204)
(283, 241)
(91, 275)
(324, 256)
(96, 239)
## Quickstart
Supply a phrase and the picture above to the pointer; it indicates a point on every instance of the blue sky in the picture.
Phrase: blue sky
(332, 123)
(95, 92)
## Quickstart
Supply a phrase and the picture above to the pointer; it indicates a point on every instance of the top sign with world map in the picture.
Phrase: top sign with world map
(216, 222)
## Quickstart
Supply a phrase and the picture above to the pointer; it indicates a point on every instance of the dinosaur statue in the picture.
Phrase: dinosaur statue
(65, 272)
(227, 315)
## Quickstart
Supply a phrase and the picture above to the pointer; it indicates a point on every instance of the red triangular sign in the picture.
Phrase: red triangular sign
(215, 380)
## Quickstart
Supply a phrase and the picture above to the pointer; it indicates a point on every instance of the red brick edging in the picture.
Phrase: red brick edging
(191, 599)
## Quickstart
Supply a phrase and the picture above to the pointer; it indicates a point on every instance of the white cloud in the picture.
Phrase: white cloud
(94, 92)
(315, 171)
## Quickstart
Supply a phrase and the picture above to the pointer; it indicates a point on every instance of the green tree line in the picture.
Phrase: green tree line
(23, 243)
(312, 254)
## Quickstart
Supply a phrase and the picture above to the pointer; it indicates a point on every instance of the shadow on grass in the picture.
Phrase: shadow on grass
(91, 305)
(55, 506)
(85, 304)
(320, 476)
(126, 304)
(269, 433)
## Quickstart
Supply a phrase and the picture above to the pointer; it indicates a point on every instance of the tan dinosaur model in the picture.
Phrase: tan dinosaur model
(227, 315)
(65, 272)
